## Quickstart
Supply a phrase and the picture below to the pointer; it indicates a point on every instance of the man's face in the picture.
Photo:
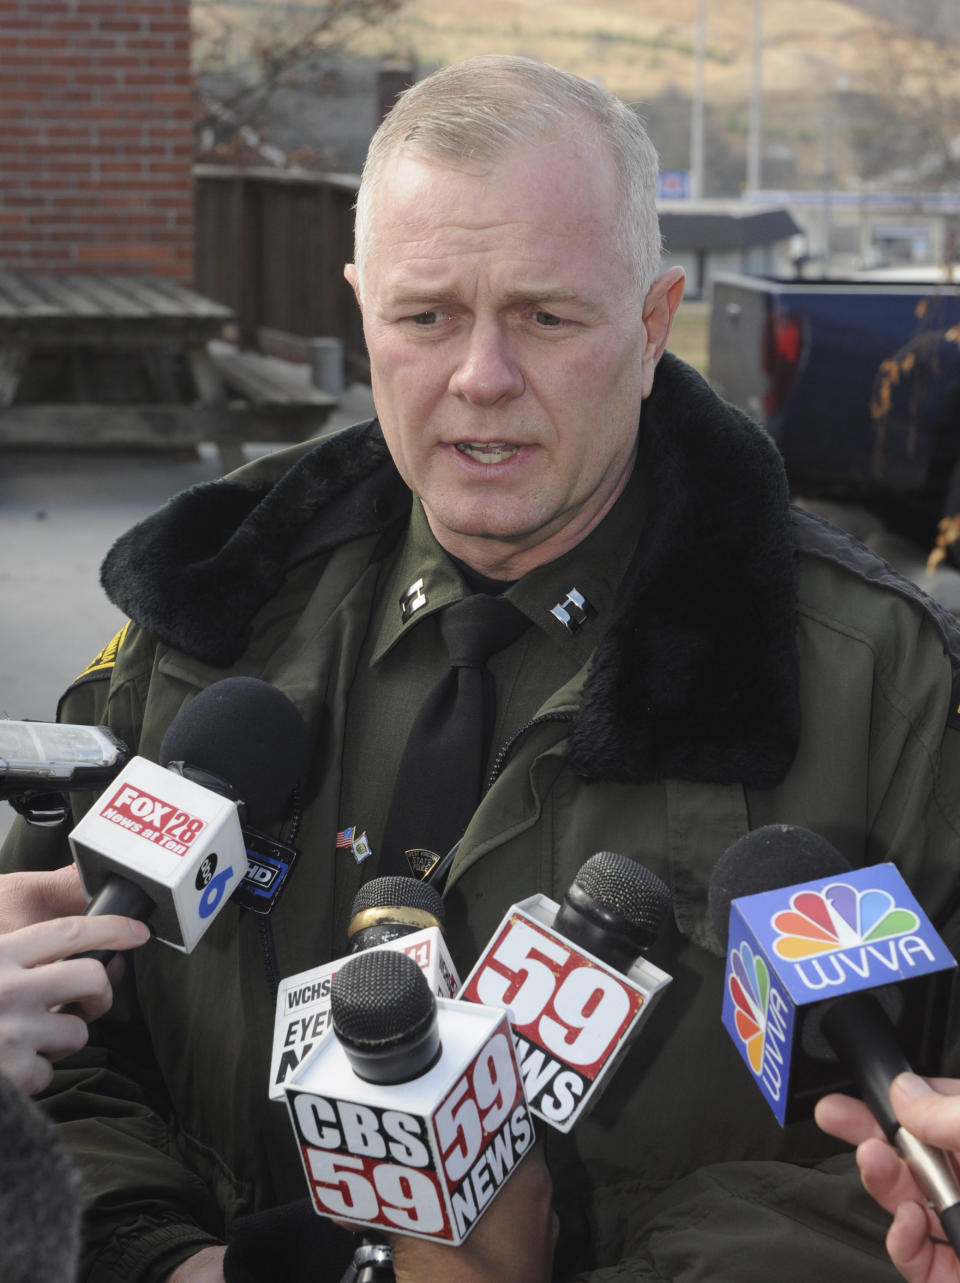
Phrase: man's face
(508, 347)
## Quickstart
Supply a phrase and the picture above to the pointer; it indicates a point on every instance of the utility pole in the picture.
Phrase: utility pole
(755, 138)
(696, 115)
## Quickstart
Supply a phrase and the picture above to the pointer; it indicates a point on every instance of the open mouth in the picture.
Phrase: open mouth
(487, 451)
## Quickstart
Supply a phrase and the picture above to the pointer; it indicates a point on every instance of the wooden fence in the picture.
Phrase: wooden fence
(272, 246)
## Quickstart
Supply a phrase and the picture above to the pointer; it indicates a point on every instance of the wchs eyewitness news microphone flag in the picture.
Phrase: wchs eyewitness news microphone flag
(572, 1014)
(796, 947)
(303, 1001)
(181, 843)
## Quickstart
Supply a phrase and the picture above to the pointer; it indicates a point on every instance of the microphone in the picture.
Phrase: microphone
(575, 981)
(391, 912)
(165, 845)
(39, 1206)
(40, 761)
(410, 1116)
(849, 931)
(390, 908)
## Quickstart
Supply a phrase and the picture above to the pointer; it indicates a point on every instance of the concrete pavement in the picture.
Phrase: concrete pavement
(60, 510)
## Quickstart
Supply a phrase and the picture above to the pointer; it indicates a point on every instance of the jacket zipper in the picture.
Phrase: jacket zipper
(505, 749)
(438, 877)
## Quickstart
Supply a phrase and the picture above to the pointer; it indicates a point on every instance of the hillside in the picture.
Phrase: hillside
(846, 85)
(644, 48)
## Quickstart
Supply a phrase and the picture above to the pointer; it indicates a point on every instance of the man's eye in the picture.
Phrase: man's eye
(547, 319)
(426, 318)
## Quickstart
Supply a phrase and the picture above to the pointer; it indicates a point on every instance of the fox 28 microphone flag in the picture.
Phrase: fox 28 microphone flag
(796, 947)
(179, 842)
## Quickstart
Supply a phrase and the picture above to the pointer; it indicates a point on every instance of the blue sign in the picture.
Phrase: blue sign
(673, 184)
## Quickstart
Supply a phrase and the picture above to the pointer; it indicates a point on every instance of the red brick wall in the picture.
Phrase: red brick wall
(96, 136)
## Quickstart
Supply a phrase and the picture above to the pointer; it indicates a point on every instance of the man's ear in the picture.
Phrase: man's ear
(659, 308)
(352, 277)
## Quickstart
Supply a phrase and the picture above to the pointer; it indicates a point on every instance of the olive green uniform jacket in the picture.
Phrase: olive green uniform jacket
(761, 667)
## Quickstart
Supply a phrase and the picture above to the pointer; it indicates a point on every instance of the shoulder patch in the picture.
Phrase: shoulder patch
(104, 660)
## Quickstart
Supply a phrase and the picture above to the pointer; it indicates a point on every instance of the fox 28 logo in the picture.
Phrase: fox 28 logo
(212, 884)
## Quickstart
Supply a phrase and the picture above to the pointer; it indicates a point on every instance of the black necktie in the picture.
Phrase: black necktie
(440, 777)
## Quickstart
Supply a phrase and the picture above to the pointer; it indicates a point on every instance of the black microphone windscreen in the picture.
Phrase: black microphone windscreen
(385, 1016)
(246, 733)
(627, 890)
(776, 855)
(379, 998)
(39, 1209)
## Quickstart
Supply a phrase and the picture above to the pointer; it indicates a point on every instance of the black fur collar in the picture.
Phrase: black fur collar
(696, 678)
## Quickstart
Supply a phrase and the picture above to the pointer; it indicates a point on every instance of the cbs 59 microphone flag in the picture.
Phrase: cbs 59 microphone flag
(574, 981)
(409, 1113)
(798, 947)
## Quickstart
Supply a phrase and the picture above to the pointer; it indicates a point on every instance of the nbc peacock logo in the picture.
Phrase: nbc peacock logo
(749, 985)
(839, 917)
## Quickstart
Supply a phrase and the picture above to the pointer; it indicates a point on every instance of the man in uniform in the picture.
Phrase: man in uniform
(693, 660)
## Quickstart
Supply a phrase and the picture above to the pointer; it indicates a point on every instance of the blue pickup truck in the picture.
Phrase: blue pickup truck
(858, 382)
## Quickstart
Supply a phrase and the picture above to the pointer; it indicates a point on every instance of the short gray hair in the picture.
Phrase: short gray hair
(478, 109)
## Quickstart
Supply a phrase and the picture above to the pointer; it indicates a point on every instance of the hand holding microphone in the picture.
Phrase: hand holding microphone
(165, 844)
(846, 933)
(930, 1111)
(515, 1238)
(41, 930)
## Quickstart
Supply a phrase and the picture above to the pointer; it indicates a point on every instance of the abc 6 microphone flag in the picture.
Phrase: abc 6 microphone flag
(796, 947)
(425, 1159)
(176, 840)
(573, 1016)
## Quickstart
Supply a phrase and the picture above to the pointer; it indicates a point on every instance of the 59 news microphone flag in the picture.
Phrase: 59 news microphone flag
(165, 844)
(574, 981)
(410, 1115)
(392, 912)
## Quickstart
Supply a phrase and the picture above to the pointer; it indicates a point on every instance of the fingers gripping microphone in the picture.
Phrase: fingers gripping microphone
(574, 980)
(412, 1116)
(166, 845)
(841, 931)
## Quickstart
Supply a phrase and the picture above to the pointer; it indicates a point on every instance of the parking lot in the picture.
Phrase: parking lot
(60, 510)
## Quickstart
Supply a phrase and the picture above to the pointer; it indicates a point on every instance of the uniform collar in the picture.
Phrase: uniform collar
(696, 676)
(569, 599)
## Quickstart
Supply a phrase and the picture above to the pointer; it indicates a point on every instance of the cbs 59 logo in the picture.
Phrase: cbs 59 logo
(571, 1005)
(476, 1108)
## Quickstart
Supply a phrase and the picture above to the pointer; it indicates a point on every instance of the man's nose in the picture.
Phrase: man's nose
(487, 370)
